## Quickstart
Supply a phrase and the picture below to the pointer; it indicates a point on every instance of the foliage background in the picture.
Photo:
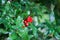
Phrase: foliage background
(45, 24)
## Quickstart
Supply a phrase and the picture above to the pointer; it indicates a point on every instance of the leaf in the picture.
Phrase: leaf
(34, 29)
(13, 36)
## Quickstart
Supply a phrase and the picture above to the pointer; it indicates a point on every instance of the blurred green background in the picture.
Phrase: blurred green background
(45, 14)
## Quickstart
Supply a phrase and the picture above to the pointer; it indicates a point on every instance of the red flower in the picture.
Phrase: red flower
(29, 19)
(26, 21)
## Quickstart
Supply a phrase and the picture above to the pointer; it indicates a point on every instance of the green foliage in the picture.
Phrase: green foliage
(13, 13)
